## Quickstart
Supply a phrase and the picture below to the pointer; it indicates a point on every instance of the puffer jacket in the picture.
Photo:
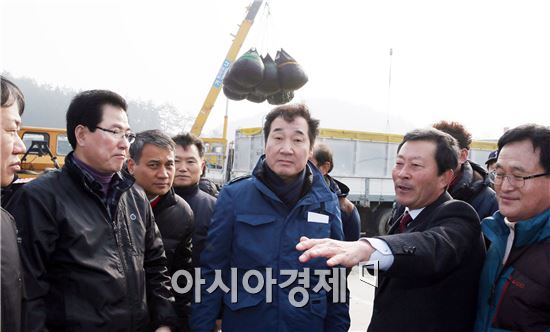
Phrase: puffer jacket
(202, 205)
(12, 276)
(253, 229)
(209, 187)
(516, 296)
(473, 187)
(89, 267)
(174, 219)
(351, 221)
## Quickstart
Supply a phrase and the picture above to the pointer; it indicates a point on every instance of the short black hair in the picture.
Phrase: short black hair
(446, 153)
(322, 154)
(86, 109)
(457, 130)
(289, 112)
(188, 139)
(12, 94)
(154, 137)
(538, 135)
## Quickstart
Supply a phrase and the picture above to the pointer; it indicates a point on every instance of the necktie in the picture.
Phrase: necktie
(405, 220)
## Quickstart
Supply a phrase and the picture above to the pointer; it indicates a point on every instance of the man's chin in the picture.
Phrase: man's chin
(157, 193)
(181, 185)
(401, 200)
(286, 171)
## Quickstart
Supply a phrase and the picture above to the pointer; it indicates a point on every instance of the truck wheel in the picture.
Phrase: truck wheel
(383, 217)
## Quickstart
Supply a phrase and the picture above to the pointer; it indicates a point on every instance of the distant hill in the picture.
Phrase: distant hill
(46, 106)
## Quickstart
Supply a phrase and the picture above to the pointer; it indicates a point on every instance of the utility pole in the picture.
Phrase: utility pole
(388, 106)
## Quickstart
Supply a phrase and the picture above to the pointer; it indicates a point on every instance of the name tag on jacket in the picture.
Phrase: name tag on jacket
(317, 217)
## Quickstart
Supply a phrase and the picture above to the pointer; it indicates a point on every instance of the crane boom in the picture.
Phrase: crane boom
(201, 118)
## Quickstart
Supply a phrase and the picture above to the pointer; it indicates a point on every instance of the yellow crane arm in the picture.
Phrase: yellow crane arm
(201, 118)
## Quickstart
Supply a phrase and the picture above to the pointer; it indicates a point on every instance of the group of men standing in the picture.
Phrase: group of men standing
(435, 274)
(92, 256)
(100, 238)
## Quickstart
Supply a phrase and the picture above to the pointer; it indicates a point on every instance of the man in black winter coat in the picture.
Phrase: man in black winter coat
(152, 164)
(11, 273)
(189, 167)
(92, 255)
(471, 183)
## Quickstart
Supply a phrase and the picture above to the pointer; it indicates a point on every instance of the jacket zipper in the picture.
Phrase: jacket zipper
(117, 236)
(125, 258)
(503, 294)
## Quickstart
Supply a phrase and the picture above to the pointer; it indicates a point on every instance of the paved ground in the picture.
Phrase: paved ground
(361, 300)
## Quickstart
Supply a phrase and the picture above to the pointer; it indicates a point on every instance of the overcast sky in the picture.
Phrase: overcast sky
(483, 63)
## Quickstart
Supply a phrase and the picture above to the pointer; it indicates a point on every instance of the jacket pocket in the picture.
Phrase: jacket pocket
(255, 241)
(255, 219)
(244, 300)
(310, 317)
(318, 304)
(316, 230)
(318, 221)
(523, 304)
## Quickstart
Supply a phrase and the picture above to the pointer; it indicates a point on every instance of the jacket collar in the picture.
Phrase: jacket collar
(186, 192)
(122, 180)
(165, 201)
(337, 187)
(426, 211)
(473, 178)
(429, 208)
(527, 232)
(315, 188)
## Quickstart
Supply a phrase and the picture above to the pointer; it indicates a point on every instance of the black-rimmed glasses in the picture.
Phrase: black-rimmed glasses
(130, 137)
(515, 180)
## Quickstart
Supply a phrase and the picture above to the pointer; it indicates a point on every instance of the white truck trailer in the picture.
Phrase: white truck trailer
(362, 160)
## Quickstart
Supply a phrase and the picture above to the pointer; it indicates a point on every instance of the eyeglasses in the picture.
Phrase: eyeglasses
(130, 137)
(514, 180)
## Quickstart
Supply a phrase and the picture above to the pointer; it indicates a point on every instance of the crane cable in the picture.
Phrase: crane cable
(265, 30)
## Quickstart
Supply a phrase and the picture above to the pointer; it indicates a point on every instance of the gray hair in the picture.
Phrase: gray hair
(154, 137)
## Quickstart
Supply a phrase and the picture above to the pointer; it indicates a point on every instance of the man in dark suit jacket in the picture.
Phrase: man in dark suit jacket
(431, 259)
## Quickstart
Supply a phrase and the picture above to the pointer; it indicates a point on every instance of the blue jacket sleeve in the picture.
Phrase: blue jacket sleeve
(215, 256)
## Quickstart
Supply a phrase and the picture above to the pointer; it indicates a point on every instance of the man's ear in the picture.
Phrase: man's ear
(325, 167)
(446, 178)
(131, 165)
(203, 169)
(463, 156)
(81, 132)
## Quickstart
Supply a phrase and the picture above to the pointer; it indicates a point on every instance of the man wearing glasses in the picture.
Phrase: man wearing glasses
(515, 281)
(91, 252)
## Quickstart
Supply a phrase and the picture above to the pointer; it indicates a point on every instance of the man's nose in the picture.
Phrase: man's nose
(403, 172)
(163, 173)
(506, 184)
(286, 146)
(124, 143)
(19, 146)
